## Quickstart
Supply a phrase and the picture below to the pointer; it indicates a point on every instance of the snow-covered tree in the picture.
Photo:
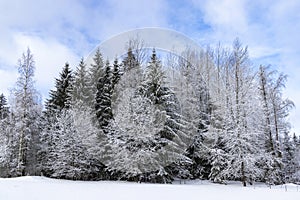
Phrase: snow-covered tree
(136, 46)
(130, 62)
(135, 139)
(116, 73)
(26, 109)
(81, 90)
(280, 109)
(154, 80)
(236, 129)
(103, 98)
(60, 98)
(3, 107)
(67, 145)
(96, 71)
(146, 137)
(275, 110)
(154, 87)
(204, 115)
(8, 147)
(218, 165)
(192, 93)
(263, 77)
(296, 143)
(290, 163)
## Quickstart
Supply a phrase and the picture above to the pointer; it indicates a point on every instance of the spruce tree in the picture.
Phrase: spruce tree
(130, 62)
(6, 139)
(194, 99)
(3, 107)
(81, 90)
(67, 143)
(218, 164)
(96, 71)
(154, 81)
(116, 73)
(173, 132)
(103, 98)
(154, 87)
(135, 126)
(290, 163)
(60, 98)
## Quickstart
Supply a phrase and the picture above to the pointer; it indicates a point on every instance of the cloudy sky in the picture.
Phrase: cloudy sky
(65, 30)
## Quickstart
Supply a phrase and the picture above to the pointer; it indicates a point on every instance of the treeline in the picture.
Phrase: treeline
(207, 115)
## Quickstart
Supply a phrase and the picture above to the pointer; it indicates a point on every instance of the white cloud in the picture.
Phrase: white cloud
(227, 14)
(119, 16)
(49, 55)
(7, 81)
(59, 31)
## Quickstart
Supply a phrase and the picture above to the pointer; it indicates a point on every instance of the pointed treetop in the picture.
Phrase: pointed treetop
(130, 61)
(98, 59)
(153, 57)
(61, 97)
(3, 100)
(3, 106)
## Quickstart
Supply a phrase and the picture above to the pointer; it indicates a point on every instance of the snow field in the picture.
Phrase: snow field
(41, 188)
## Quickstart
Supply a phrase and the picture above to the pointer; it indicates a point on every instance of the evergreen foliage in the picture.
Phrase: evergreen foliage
(3, 107)
(60, 98)
(81, 91)
(130, 62)
(103, 98)
(96, 71)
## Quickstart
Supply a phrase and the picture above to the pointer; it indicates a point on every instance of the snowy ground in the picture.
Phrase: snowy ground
(40, 188)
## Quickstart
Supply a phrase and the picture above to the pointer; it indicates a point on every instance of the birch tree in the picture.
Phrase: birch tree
(27, 110)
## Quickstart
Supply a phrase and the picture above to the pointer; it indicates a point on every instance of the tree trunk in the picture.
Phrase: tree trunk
(266, 109)
(243, 174)
(276, 122)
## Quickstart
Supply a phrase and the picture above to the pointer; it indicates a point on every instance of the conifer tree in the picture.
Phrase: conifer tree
(154, 81)
(6, 135)
(96, 71)
(154, 87)
(218, 164)
(116, 73)
(130, 62)
(133, 138)
(60, 98)
(3, 107)
(67, 142)
(103, 98)
(8, 147)
(193, 97)
(81, 90)
(289, 159)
